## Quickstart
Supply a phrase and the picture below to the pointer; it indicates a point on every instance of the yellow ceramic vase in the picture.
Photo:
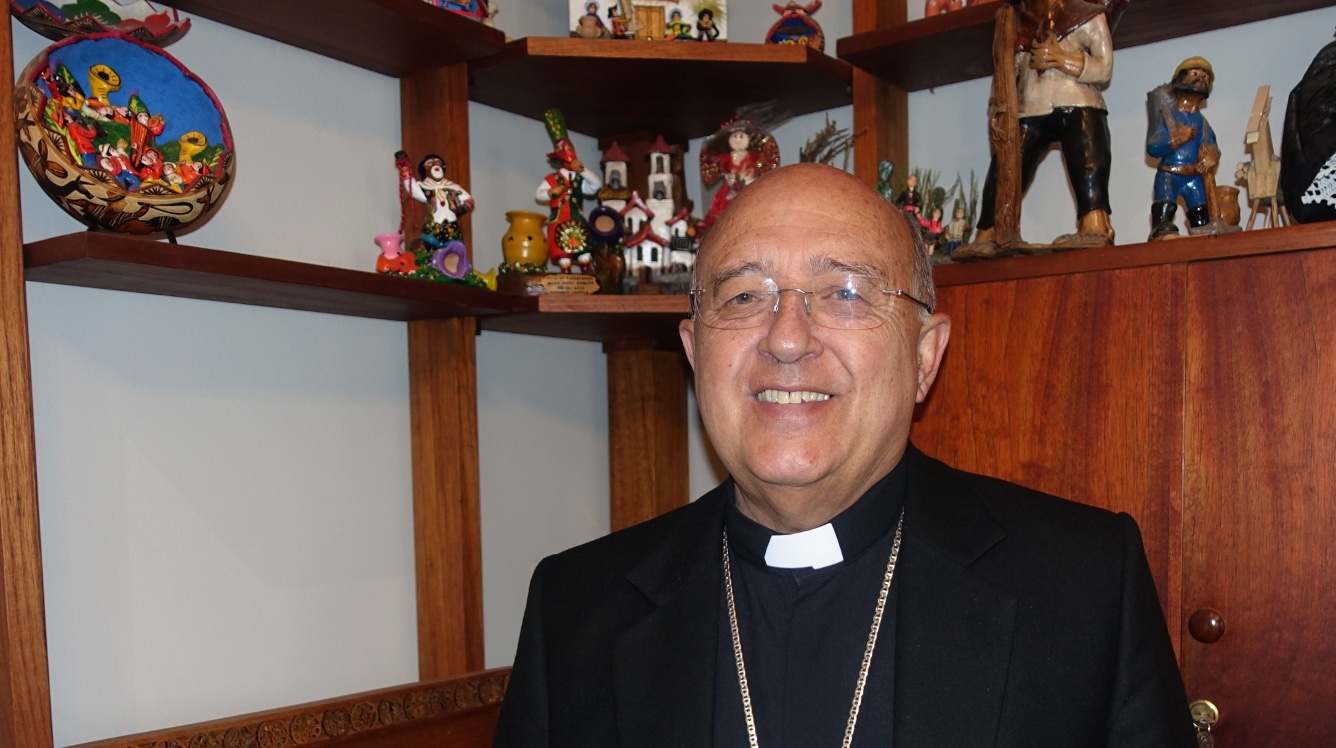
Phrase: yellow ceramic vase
(525, 242)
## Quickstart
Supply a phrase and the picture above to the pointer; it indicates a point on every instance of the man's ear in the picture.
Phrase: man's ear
(933, 335)
(687, 329)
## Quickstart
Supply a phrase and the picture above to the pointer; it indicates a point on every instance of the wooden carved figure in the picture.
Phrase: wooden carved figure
(1185, 145)
(737, 155)
(564, 192)
(1261, 174)
(1052, 58)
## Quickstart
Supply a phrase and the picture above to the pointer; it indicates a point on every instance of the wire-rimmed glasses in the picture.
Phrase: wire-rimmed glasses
(842, 302)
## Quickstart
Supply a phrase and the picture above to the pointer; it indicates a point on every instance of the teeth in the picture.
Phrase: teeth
(786, 398)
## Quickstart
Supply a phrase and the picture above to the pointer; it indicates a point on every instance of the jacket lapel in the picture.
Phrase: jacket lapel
(664, 664)
(953, 630)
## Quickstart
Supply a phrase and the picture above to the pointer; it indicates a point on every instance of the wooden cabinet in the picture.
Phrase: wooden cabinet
(1195, 394)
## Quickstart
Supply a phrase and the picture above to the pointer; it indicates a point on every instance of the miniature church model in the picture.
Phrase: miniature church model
(660, 200)
(616, 189)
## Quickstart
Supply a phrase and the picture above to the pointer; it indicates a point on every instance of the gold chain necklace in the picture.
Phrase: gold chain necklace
(867, 651)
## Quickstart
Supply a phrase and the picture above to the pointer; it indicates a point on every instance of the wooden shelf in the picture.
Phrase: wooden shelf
(125, 263)
(612, 320)
(681, 90)
(392, 37)
(1187, 249)
(957, 46)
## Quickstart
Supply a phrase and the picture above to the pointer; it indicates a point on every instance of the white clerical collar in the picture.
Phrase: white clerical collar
(816, 549)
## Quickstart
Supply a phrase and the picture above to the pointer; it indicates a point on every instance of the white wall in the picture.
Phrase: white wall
(225, 490)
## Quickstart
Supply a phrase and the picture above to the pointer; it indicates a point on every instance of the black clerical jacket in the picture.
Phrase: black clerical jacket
(1022, 620)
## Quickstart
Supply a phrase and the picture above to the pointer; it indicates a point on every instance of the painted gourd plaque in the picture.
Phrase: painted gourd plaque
(122, 136)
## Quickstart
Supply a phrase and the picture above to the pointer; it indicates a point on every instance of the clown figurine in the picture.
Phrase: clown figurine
(564, 192)
(446, 201)
(1182, 140)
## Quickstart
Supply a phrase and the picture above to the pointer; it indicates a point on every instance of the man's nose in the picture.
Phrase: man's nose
(790, 337)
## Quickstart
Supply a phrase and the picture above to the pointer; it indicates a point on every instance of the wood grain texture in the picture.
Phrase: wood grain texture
(392, 37)
(625, 81)
(459, 712)
(434, 118)
(1071, 385)
(607, 319)
(647, 434)
(879, 106)
(25, 691)
(1004, 129)
(127, 263)
(954, 47)
(443, 388)
(1187, 249)
(1260, 481)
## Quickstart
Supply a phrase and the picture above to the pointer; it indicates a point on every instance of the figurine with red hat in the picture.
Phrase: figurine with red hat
(564, 191)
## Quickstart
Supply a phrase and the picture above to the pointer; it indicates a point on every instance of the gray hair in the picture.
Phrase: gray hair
(922, 284)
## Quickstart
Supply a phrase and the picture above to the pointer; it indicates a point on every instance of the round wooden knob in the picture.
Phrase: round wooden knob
(1207, 626)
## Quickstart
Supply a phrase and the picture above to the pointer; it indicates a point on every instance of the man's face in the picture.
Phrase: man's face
(1196, 81)
(792, 226)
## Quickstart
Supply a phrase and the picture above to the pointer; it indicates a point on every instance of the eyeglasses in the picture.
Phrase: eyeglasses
(841, 302)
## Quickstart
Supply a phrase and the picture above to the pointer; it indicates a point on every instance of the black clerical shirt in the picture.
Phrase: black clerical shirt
(803, 632)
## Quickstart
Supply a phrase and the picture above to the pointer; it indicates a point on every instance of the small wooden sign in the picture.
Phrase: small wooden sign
(572, 283)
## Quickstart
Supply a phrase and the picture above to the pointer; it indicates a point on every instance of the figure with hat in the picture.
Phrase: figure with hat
(740, 153)
(564, 191)
(446, 200)
(1183, 141)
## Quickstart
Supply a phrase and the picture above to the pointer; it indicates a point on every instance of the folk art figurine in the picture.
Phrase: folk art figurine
(589, 25)
(707, 28)
(734, 157)
(796, 26)
(658, 20)
(677, 29)
(1188, 155)
(429, 245)
(910, 200)
(564, 192)
(1051, 60)
(956, 230)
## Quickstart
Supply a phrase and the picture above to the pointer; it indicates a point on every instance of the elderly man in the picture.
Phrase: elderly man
(840, 587)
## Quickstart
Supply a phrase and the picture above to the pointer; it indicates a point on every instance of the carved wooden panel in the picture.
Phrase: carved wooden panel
(460, 712)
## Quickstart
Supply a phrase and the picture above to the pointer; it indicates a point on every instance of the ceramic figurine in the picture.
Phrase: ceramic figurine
(621, 26)
(910, 200)
(1308, 143)
(121, 135)
(707, 28)
(139, 19)
(478, 10)
(564, 192)
(956, 230)
(885, 170)
(1183, 143)
(589, 25)
(737, 155)
(1051, 60)
(446, 201)
(393, 259)
(796, 26)
(677, 29)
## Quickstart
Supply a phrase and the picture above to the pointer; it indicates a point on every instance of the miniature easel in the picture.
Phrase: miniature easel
(1262, 174)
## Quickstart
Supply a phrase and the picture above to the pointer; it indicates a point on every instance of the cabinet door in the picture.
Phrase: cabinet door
(1260, 481)
(1072, 385)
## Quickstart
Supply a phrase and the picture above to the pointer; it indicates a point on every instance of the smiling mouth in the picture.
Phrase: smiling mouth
(788, 398)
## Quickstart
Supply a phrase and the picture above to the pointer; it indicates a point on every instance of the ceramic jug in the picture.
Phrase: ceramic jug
(525, 242)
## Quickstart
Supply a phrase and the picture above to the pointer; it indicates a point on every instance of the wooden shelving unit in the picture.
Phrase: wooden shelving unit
(125, 263)
(608, 86)
(397, 38)
(612, 320)
(1187, 249)
(956, 47)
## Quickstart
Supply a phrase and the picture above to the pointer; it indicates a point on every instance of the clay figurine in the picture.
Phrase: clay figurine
(564, 192)
(677, 29)
(910, 200)
(446, 201)
(737, 155)
(796, 26)
(1051, 60)
(706, 30)
(1185, 146)
(589, 25)
(956, 231)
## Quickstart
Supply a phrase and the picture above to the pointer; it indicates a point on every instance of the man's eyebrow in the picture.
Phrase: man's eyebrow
(828, 264)
(736, 271)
